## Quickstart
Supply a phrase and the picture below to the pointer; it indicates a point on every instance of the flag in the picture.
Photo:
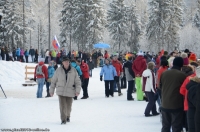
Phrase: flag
(55, 43)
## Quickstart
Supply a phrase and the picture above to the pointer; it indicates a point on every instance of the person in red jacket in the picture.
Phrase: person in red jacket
(85, 79)
(41, 75)
(119, 70)
(139, 65)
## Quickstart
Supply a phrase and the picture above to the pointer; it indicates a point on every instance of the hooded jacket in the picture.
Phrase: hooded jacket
(18, 52)
(139, 65)
(85, 70)
(129, 71)
(109, 72)
(77, 67)
(118, 67)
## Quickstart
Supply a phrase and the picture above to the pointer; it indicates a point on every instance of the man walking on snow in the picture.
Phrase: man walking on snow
(139, 65)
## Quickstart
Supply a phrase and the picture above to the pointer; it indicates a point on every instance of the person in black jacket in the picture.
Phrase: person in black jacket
(3, 53)
(193, 114)
(14, 53)
(94, 58)
(91, 67)
(130, 77)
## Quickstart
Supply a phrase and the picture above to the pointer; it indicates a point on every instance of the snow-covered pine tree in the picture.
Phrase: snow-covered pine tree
(13, 23)
(66, 22)
(134, 31)
(117, 22)
(96, 22)
(196, 20)
(156, 26)
(174, 25)
(2, 26)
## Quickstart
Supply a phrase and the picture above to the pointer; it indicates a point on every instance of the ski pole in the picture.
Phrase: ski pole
(3, 91)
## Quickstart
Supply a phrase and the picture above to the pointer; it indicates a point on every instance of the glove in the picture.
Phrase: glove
(101, 78)
(35, 79)
(116, 78)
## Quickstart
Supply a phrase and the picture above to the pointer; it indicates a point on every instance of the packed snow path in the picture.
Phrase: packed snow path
(97, 114)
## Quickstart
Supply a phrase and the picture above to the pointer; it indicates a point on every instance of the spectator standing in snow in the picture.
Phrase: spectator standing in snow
(47, 57)
(193, 98)
(26, 55)
(130, 77)
(36, 55)
(109, 73)
(41, 76)
(22, 55)
(172, 100)
(118, 67)
(7, 53)
(3, 53)
(18, 54)
(91, 67)
(149, 87)
(85, 70)
(32, 53)
(53, 55)
(139, 65)
(76, 65)
(51, 71)
(94, 58)
(14, 53)
(68, 85)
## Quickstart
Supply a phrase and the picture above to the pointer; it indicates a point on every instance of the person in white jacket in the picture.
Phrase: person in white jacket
(149, 87)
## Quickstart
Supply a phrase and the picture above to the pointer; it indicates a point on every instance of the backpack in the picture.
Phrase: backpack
(39, 70)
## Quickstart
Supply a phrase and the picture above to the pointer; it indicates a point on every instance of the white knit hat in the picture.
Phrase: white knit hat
(140, 53)
(198, 71)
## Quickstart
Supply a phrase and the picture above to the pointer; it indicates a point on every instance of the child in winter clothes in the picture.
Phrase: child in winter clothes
(51, 71)
(149, 87)
(91, 66)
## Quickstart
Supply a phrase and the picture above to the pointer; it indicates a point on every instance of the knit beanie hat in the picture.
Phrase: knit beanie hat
(193, 57)
(140, 53)
(185, 59)
(178, 61)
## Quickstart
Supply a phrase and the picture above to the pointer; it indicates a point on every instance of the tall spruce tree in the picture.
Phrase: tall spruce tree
(134, 31)
(196, 20)
(117, 22)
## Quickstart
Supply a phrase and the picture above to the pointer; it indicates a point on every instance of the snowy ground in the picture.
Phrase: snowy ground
(97, 114)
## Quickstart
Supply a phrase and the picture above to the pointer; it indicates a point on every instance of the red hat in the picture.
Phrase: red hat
(193, 57)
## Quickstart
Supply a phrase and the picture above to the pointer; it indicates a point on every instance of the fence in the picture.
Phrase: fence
(28, 72)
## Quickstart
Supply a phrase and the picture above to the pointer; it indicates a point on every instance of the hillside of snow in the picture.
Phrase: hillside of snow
(97, 114)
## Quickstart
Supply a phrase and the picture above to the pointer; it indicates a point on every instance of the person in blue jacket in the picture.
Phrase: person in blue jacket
(26, 53)
(76, 65)
(51, 71)
(109, 73)
(18, 54)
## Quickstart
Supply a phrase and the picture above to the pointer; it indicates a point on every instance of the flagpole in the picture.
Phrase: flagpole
(49, 25)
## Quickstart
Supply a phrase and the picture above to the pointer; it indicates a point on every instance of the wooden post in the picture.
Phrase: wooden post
(26, 72)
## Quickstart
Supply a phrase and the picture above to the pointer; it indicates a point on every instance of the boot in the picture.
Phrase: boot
(68, 119)
(120, 94)
(63, 122)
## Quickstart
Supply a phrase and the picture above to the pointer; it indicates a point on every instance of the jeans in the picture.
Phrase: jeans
(131, 84)
(32, 57)
(40, 82)
(151, 106)
(26, 59)
(90, 72)
(46, 60)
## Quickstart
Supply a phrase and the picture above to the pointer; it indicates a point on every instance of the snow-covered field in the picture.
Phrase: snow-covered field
(97, 114)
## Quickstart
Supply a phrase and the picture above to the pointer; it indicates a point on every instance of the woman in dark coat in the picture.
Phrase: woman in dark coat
(36, 55)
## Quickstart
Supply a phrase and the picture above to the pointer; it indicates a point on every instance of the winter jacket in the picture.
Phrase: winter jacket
(91, 65)
(159, 73)
(22, 52)
(118, 67)
(32, 52)
(18, 52)
(77, 67)
(129, 71)
(65, 87)
(44, 70)
(85, 70)
(106, 56)
(192, 113)
(95, 55)
(184, 91)
(158, 61)
(51, 71)
(148, 81)
(170, 83)
(109, 72)
(53, 53)
(26, 53)
(139, 65)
